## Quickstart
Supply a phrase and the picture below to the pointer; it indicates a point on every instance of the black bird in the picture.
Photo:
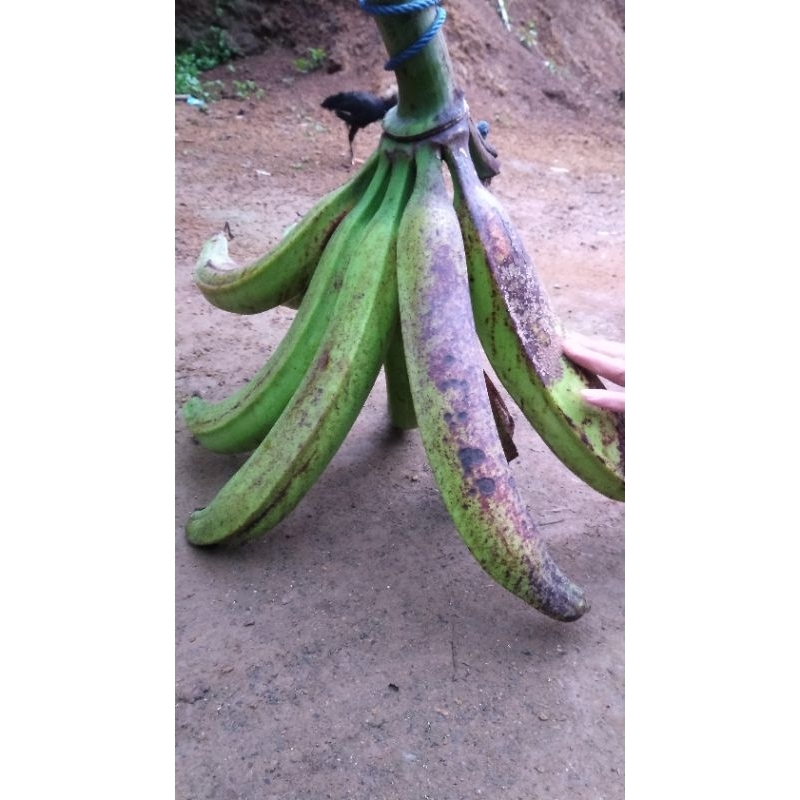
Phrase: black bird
(358, 109)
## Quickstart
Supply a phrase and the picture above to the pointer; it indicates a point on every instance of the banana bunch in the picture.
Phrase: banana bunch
(395, 270)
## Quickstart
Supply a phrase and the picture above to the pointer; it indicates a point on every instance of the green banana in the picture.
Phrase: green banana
(285, 271)
(286, 464)
(522, 337)
(398, 392)
(452, 405)
(239, 422)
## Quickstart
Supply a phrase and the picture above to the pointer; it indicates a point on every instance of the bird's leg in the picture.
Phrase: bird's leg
(350, 136)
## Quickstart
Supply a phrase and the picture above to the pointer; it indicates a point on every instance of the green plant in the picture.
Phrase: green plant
(188, 80)
(187, 75)
(205, 53)
(316, 58)
(212, 49)
(244, 90)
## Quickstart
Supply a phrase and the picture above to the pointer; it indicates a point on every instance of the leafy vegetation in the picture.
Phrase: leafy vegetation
(212, 50)
(188, 81)
(207, 52)
(316, 59)
(244, 90)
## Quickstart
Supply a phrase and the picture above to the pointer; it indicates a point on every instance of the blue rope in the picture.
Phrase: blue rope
(410, 7)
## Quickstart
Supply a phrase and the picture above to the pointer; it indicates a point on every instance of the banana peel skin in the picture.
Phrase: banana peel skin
(522, 337)
(424, 283)
(452, 404)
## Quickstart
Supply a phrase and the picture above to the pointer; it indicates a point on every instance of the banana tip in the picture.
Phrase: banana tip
(577, 611)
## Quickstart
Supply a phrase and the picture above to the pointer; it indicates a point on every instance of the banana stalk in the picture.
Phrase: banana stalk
(392, 271)
(426, 97)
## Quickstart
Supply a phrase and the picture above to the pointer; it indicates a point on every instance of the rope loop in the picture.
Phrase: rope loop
(410, 7)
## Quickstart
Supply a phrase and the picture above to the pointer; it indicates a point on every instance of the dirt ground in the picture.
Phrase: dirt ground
(358, 650)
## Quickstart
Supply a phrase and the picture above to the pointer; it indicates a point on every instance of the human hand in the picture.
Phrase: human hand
(606, 359)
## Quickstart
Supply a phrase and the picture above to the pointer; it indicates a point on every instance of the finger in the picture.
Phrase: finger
(605, 398)
(609, 367)
(606, 346)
